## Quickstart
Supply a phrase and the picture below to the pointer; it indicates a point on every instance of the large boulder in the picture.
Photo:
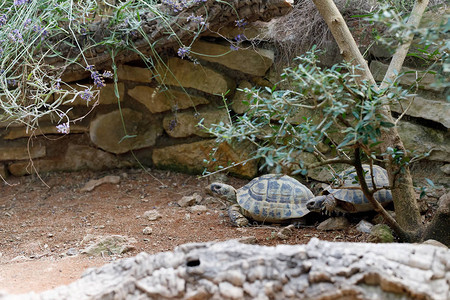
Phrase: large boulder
(180, 72)
(195, 157)
(252, 61)
(186, 124)
(107, 132)
(157, 100)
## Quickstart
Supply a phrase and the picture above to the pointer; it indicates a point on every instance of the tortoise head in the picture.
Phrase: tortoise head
(316, 204)
(224, 190)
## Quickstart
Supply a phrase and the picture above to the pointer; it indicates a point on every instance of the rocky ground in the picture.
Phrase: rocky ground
(47, 224)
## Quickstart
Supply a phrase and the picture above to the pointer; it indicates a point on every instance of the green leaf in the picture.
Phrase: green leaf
(387, 124)
(430, 182)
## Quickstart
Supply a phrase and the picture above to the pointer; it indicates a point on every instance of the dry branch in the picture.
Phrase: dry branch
(231, 270)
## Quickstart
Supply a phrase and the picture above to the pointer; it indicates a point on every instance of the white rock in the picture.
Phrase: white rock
(152, 215)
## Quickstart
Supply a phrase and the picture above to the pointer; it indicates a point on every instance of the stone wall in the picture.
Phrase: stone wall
(160, 110)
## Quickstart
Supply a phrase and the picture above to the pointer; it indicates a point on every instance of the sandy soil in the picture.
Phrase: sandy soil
(41, 227)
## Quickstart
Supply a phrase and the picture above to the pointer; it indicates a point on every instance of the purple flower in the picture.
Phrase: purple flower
(63, 128)
(90, 67)
(233, 47)
(107, 74)
(172, 124)
(26, 23)
(241, 23)
(15, 36)
(20, 2)
(184, 51)
(240, 38)
(98, 80)
(3, 20)
(58, 84)
(86, 95)
(196, 19)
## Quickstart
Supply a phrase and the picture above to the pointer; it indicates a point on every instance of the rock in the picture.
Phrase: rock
(191, 157)
(189, 75)
(437, 111)
(446, 169)
(434, 243)
(45, 128)
(252, 61)
(72, 252)
(424, 139)
(229, 291)
(198, 209)
(335, 223)
(381, 233)
(240, 97)
(157, 100)
(190, 200)
(134, 74)
(147, 230)
(106, 131)
(250, 240)
(364, 226)
(18, 150)
(92, 184)
(379, 69)
(105, 95)
(286, 232)
(152, 215)
(109, 245)
(187, 123)
(76, 157)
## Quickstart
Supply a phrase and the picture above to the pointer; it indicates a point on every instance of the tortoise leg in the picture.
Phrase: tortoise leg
(236, 217)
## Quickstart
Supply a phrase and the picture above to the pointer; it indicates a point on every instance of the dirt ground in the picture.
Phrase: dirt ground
(42, 227)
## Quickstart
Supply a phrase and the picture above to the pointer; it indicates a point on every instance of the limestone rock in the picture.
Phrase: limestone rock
(158, 101)
(317, 270)
(135, 74)
(379, 69)
(109, 245)
(238, 104)
(424, 139)
(147, 230)
(18, 150)
(190, 200)
(437, 111)
(252, 61)
(184, 73)
(253, 31)
(43, 129)
(77, 157)
(364, 226)
(106, 131)
(446, 169)
(185, 124)
(152, 215)
(336, 223)
(191, 157)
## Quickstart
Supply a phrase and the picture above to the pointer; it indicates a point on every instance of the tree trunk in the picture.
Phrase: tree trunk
(407, 211)
(231, 270)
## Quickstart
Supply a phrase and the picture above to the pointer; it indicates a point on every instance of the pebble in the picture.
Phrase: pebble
(198, 209)
(381, 233)
(152, 215)
(364, 226)
(72, 252)
(147, 230)
(336, 223)
(190, 200)
(285, 232)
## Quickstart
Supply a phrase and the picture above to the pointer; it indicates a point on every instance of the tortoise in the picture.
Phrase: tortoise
(269, 198)
(348, 200)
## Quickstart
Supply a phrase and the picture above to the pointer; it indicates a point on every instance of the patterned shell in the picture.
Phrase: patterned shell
(356, 197)
(274, 198)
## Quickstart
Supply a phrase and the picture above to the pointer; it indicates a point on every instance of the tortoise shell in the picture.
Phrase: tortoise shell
(356, 201)
(274, 198)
